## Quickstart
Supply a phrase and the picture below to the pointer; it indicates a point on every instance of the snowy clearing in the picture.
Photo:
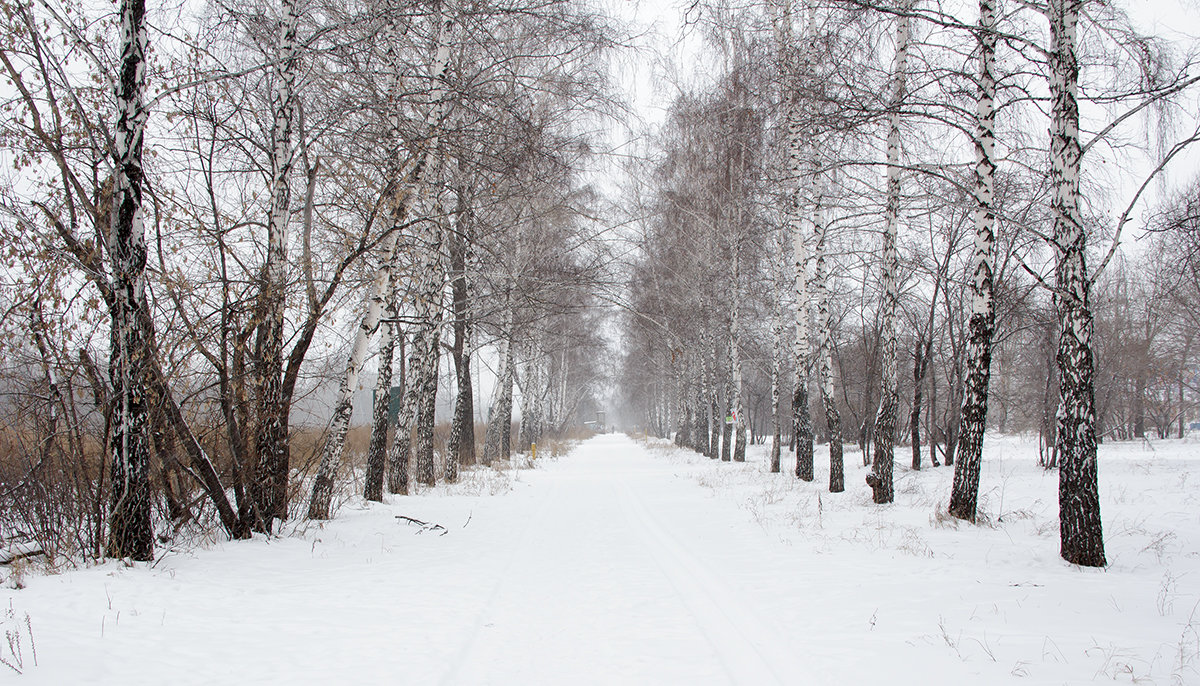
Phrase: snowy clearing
(633, 562)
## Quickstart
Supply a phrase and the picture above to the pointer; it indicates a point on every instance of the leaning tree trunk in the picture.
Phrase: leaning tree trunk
(1080, 533)
(965, 493)
(130, 531)
(880, 476)
(833, 418)
(268, 490)
(331, 454)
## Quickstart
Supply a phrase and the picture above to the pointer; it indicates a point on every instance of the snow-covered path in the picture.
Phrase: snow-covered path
(604, 583)
(612, 565)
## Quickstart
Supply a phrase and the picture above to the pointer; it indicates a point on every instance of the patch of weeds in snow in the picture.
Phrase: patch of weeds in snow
(1184, 670)
(950, 641)
(18, 638)
(912, 543)
(480, 481)
(1162, 545)
(941, 518)
(1120, 664)
(1164, 602)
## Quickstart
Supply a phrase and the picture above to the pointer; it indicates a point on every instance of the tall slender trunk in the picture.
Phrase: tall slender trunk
(880, 476)
(716, 420)
(914, 416)
(794, 65)
(777, 325)
(268, 490)
(833, 418)
(1080, 533)
(461, 448)
(735, 364)
(430, 272)
(973, 422)
(130, 531)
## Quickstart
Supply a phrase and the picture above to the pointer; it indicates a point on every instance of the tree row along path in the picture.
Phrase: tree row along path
(607, 566)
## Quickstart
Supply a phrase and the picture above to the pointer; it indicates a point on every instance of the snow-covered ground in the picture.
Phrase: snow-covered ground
(635, 563)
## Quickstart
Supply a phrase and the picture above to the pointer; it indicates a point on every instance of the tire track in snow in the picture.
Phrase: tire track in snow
(488, 611)
(745, 642)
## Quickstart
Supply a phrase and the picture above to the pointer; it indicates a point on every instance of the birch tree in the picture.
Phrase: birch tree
(404, 185)
(880, 476)
(269, 487)
(1081, 539)
(799, 175)
(833, 420)
(131, 533)
(983, 317)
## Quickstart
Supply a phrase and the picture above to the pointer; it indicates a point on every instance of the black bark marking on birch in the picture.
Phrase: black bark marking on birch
(131, 531)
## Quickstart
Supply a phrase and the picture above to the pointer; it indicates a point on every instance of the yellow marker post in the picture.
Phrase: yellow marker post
(533, 451)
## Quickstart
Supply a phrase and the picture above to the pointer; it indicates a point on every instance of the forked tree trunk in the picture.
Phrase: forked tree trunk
(1080, 533)
(880, 476)
(973, 422)
(130, 531)
(400, 451)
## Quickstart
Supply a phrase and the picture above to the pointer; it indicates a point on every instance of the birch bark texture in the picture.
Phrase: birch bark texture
(130, 530)
(965, 491)
(793, 67)
(833, 418)
(1080, 535)
(880, 476)
(269, 487)
(735, 361)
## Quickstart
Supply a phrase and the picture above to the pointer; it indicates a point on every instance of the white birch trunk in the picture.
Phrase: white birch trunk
(965, 492)
(880, 476)
(130, 533)
(269, 487)
(1080, 533)
(833, 419)
(735, 362)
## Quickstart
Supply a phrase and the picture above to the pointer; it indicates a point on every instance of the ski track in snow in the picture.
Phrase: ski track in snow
(623, 564)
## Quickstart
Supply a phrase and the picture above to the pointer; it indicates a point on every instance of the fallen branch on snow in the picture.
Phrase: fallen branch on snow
(425, 526)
